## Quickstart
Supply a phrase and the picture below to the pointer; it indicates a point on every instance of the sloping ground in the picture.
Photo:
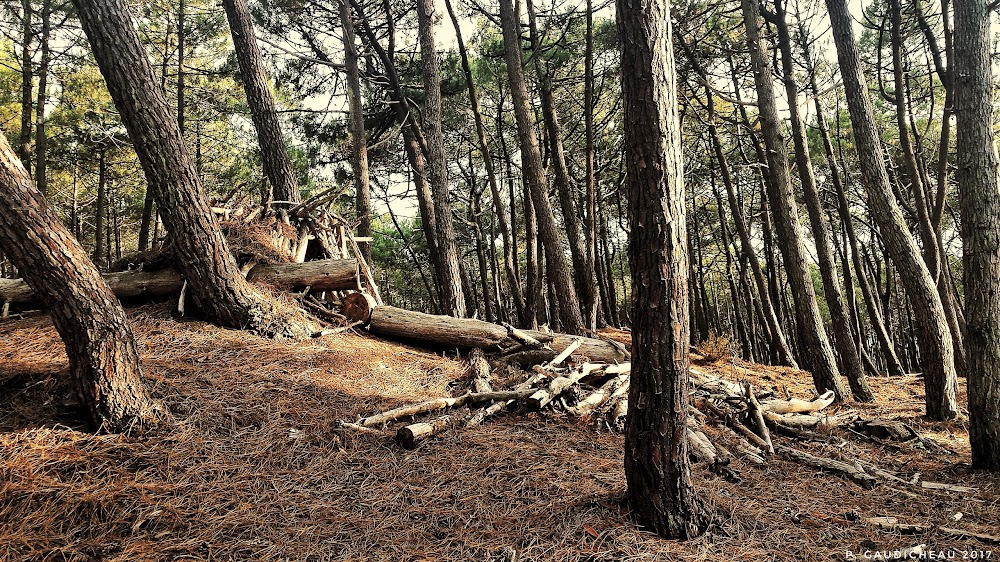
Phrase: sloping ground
(253, 467)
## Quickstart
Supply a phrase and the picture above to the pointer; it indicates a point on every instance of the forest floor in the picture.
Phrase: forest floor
(253, 467)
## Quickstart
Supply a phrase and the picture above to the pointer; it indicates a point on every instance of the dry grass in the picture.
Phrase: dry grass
(253, 468)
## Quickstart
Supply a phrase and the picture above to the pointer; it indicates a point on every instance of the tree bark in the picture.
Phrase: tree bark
(657, 468)
(533, 173)
(103, 358)
(446, 258)
(935, 337)
(980, 202)
(216, 283)
(274, 154)
(814, 344)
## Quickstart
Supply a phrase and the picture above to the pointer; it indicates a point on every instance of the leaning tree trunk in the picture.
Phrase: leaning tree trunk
(937, 358)
(843, 336)
(980, 200)
(103, 359)
(216, 283)
(446, 258)
(583, 270)
(509, 247)
(24, 140)
(534, 173)
(814, 344)
(273, 152)
(359, 146)
(657, 468)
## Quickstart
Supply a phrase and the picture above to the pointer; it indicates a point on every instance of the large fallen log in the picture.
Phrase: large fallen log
(448, 332)
(322, 275)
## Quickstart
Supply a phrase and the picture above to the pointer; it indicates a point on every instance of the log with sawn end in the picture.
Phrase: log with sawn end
(447, 332)
(320, 275)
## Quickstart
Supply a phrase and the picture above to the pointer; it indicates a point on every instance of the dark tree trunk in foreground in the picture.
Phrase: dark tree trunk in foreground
(814, 345)
(359, 145)
(937, 358)
(103, 359)
(980, 196)
(534, 174)
(215, 280)
(656, 460)
(273, 152)
(446, 258)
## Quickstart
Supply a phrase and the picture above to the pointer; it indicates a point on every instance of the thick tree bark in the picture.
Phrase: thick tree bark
(980, 201)
(359, 145)
(103, 359)
(657, 468)
(446, 258)
(534, 175)
(842, 333)
(214, 277)
(274, 154)
(815, 346)
(935, 337)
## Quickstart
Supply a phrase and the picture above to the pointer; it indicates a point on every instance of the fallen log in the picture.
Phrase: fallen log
(322, 275)
(441, 404)
(448, 332)
(410, 435)
(849, 471)
(799, 406)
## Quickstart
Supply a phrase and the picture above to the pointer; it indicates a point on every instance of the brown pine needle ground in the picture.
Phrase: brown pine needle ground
(253, 467)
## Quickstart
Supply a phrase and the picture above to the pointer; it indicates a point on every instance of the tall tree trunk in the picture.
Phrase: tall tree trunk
(657, 468)
(777, 335)
(103, 358)
(980, 201)
(359, 146)
(146, 221)
(534, 176)
(814, 343)
(216, 283)
(590, 226)
(181, 72)
(585, 279)
(100, 208)
(27, 85)
(273, 152)
(41, 180)
(932, 253)
(935, 337)
(893, 366)
(842, 333)
(509, 247)
(446, 259)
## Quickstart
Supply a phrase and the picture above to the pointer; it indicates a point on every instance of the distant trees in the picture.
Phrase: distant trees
(656, 460)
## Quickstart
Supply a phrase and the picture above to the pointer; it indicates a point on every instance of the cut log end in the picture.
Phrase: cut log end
(358, 307)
